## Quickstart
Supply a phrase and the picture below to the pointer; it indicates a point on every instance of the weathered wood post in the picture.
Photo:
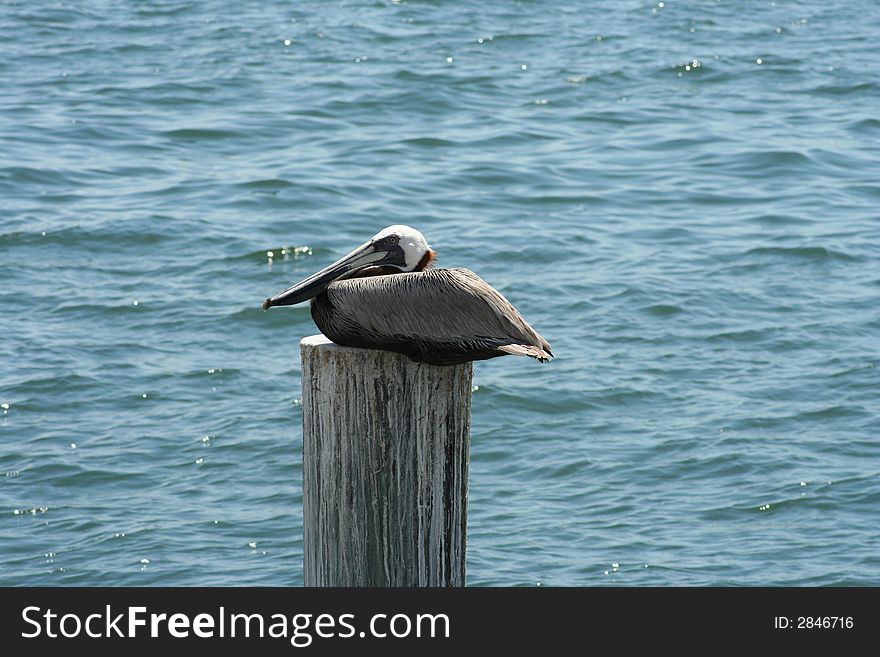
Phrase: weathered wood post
(386, 448)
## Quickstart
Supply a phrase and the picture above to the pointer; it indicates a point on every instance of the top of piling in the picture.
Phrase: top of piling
(320, 343)
(316, 341)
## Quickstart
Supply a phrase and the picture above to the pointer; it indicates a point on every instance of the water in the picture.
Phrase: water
(681, 198)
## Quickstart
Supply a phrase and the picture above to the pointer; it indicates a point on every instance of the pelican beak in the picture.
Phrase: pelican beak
(366, 255)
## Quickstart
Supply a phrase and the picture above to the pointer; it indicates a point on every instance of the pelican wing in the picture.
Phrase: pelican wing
(433, 312)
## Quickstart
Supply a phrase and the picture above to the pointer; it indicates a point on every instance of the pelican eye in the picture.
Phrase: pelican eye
(393, 239)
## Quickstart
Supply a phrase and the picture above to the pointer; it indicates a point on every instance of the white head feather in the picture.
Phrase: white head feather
(412, 242)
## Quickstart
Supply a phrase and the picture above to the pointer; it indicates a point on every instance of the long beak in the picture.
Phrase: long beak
(363, 256)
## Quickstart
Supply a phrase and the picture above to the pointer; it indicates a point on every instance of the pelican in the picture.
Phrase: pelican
(386, 295)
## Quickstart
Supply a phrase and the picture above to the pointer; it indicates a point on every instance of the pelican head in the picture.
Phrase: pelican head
(401, 247)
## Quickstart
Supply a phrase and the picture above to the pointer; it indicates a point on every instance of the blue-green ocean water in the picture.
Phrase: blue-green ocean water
(681, 196)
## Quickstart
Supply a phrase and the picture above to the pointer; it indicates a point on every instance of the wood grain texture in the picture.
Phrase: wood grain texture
(386, 449)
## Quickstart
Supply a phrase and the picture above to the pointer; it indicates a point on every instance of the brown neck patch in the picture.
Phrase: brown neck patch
(426, 261)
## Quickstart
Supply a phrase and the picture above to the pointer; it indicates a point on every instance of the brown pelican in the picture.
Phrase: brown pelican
(386, 295)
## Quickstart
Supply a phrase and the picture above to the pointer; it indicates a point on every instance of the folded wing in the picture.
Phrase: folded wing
(441, 316)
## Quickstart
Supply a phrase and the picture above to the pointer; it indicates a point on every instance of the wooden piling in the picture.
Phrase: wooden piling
(386, 448)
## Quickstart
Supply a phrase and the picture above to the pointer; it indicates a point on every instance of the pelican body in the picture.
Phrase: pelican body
(386, 295)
